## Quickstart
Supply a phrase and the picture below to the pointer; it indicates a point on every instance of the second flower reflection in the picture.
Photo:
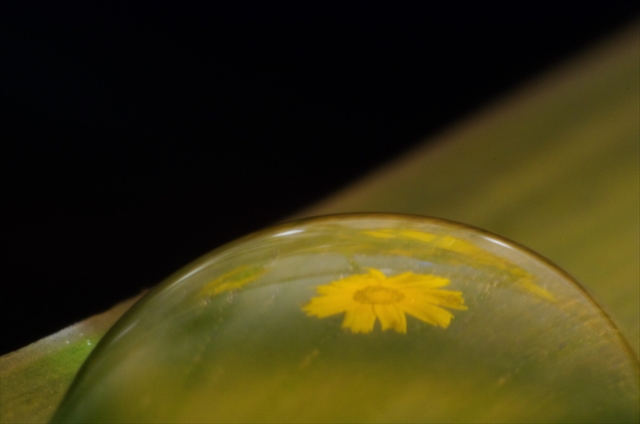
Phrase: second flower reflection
(365, 297)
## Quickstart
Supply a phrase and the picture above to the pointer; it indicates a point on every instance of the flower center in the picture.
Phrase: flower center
(377, 295)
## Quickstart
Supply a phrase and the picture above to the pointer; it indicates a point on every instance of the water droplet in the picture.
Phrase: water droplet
(259, 353)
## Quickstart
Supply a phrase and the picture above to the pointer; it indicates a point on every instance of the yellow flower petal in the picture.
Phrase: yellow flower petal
(450, 299)
(428, 313)
(359, 318)
(325, 306)
(391, 316)
(377, 274)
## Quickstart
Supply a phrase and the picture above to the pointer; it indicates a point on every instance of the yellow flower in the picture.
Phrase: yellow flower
(365, 297)
(233, 280)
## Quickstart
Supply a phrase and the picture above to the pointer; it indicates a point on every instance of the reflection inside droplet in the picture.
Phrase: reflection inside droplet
(361, 318)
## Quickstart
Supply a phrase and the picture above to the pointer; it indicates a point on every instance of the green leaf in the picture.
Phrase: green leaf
(34, 379)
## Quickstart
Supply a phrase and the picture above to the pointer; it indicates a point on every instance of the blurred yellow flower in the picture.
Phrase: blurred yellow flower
(233, 280)
(365, 297)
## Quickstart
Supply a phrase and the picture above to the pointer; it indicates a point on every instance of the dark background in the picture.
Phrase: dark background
(140, 136)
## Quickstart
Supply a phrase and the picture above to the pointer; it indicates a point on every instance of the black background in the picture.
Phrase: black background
(140, 136)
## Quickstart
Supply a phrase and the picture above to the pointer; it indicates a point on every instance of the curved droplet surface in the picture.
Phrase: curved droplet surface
(366, 318)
